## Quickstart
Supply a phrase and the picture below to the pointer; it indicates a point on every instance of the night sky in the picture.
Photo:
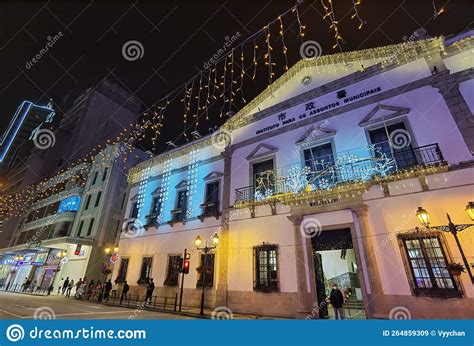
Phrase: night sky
(178, 37)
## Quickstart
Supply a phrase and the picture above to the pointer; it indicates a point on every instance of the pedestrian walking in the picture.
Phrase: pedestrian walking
(125, 290)
(65, 285)
(23, 286)
(149, 291)
(337, 301)
(69, 288)
(108, 288)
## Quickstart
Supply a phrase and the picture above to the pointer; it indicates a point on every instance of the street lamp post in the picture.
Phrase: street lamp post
(206, 249)
(424, 218)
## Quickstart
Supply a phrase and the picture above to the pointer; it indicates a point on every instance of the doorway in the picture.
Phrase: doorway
(335, 263)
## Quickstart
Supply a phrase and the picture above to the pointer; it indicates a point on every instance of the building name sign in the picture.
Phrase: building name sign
(311, 108)
(324, 202)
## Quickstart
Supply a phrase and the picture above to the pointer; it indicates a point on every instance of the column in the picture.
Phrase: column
(448, 86)
(223, 249)
(376, 299)
(303, 267)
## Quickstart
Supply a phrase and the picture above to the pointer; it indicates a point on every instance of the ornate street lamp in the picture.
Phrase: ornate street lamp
(116, 249)
(206, 249)
(107, 250)
(424, 218)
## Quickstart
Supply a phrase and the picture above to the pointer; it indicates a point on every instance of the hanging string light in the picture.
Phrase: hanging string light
(437, 12)
(356, 3)
(242, 75)
(268, 55)
(198, 109)
(208, 87)
(255, 63)
(285, 50)
(334, 24)
(153, 117)
(232, 82)
(301, 27)
(222, 84)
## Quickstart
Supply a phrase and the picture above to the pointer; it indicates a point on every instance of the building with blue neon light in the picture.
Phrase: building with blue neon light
(16, 141)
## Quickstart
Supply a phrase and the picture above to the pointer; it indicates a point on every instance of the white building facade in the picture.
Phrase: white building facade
(318, 181)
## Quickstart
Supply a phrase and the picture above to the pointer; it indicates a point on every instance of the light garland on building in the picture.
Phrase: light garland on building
(356, 3)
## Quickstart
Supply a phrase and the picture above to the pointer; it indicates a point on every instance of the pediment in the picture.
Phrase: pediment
(182, 185)
(213, 175)
(261, 150)
(156, 191)
(383, 113)
(315, 133)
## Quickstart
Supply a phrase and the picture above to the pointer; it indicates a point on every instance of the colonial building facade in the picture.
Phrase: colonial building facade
(321, 179)
(74, 217)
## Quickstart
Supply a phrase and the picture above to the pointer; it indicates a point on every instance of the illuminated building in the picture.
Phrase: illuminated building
(28, 118)
(76, 133)
(75, 216)
(320, 185)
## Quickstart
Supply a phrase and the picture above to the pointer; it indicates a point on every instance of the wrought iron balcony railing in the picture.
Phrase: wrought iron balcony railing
(326, 172)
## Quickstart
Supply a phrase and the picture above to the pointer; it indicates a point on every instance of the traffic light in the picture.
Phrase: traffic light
(186, 264)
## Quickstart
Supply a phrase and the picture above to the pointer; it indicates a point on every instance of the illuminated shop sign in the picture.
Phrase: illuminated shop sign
(69, 204)
(40, 258)
(313, 108)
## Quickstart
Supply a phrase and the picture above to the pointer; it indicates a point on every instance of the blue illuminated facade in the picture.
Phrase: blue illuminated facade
(69, 204)
(18, 121)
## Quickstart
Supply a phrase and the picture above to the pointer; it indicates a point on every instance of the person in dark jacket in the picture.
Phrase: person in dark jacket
(108, 288)
(65, 285)
(149, 291)
(125, 290)
(337, 301)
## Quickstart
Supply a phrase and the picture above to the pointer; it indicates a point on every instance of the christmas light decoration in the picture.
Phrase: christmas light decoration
(329, 9)
(356, 3)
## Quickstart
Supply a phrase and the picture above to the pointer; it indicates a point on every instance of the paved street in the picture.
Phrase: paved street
(22, 306)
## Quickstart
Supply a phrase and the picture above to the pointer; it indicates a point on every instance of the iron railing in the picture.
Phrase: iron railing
(332, 170)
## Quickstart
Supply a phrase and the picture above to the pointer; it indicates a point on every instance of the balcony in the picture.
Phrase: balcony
(177, 215)
(209, 209)
(344, 168)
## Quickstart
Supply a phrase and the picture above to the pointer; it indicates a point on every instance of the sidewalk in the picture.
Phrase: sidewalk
(191, 311)
(139, 306)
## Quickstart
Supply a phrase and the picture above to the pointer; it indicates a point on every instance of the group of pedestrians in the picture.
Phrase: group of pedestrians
(84, 288)
(93, 290)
